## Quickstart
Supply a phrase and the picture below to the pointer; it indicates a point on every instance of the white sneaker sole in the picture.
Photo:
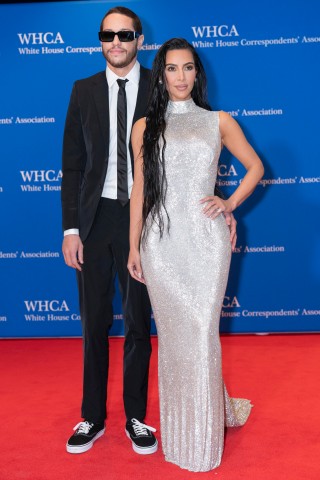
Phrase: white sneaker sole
(86, 446)
(143, 450)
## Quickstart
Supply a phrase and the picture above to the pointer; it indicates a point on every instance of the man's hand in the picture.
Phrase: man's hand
(72, 249)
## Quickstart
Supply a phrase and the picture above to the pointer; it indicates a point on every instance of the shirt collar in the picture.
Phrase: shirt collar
(132, 76)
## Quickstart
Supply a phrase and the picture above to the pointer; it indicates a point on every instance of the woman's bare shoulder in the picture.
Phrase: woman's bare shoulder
(139, 126)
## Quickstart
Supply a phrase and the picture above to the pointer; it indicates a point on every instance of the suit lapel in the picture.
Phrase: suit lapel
(142, 98)
(101, 99)
(141, 105)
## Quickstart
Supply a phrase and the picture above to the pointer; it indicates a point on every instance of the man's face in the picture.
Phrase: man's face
(120, 55)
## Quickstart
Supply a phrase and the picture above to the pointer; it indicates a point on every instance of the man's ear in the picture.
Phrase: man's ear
(140, 41)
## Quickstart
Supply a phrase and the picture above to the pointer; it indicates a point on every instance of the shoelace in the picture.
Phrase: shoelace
(140, 429)
(84, 427)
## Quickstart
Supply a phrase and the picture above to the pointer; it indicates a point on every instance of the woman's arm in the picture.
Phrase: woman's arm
(136, 202)
(233, 138)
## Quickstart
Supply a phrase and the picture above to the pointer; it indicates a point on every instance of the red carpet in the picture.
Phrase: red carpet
(40, 396)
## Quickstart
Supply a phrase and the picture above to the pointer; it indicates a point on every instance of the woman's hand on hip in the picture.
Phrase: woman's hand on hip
(214, 206)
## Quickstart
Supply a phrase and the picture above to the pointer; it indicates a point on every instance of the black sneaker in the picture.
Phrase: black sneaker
(142, 438)
(86, 433)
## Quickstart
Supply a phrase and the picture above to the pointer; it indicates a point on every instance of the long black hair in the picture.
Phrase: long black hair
(154, 142)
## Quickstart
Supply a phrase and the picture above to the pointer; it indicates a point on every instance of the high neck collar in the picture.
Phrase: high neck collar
(179, 107)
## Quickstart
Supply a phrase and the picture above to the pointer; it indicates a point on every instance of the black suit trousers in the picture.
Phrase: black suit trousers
(106, 252)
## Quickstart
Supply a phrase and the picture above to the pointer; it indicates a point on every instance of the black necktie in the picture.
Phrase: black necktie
(122, 165)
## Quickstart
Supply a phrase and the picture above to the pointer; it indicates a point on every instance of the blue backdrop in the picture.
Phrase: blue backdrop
(262, 61)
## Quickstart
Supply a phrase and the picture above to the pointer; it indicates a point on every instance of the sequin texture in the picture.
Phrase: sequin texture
(186, 274)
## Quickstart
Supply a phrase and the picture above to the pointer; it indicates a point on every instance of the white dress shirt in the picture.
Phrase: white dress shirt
(110, 184)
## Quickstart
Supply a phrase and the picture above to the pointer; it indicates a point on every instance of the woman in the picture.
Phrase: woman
(177, 227)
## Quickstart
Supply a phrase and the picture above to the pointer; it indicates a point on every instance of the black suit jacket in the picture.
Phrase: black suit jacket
(86, 148)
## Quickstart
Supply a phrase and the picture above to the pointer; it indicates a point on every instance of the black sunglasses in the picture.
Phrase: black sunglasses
(123, 35)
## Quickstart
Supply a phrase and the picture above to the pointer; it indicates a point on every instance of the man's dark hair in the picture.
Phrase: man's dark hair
(128, 13)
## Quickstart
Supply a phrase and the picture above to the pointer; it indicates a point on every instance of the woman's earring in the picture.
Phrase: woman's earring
(160, 81)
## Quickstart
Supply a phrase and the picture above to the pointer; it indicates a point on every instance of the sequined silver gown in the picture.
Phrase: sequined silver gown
(186, 274)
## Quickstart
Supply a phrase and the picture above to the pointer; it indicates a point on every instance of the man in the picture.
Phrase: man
(96, 187)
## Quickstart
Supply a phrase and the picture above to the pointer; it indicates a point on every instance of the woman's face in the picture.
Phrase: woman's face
(180, 74)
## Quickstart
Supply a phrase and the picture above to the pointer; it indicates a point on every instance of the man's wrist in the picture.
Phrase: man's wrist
(71, 231)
